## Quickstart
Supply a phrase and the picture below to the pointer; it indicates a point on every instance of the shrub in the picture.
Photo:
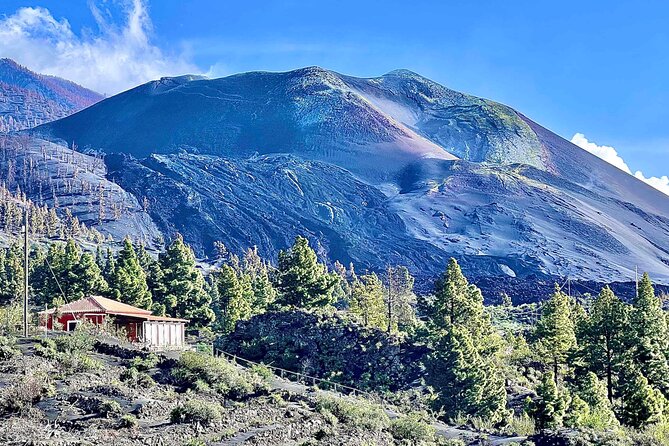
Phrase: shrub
(70, 351)
(78, 362)
(354, 412)
(144, 364)
(218, 373)
(110, 408)
(26, 392)
(128, 421)
(413, 429)
(262, 371)
(196, 411)
(8, 348)
(76, 342)
(137, 379)
(521, 425)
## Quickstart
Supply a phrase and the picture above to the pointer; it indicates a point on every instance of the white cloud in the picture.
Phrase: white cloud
(610, 155)
(113, 58)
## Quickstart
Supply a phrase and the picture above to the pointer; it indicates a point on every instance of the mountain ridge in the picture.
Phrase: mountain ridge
(453, 175)
(28, 99)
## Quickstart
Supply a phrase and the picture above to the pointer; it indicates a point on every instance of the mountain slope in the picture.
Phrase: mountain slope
(28, 99)
(441, 173)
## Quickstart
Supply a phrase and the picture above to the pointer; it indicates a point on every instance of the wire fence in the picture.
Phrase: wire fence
(301, 378)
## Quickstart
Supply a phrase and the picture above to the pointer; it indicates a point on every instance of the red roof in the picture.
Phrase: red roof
(99, 304)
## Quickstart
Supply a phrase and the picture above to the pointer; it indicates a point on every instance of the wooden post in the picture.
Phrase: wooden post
(25, 274)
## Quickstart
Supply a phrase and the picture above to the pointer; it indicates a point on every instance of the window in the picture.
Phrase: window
(72, 325)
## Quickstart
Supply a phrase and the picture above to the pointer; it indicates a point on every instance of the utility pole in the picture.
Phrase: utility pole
(25, 274)
(636, 280)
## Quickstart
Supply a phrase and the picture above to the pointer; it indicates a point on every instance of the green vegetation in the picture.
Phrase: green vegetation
(200, 370)
(600, 367)
(412, 429)
(110, 409)
(355, 412)
(197, 412)
(128, 421)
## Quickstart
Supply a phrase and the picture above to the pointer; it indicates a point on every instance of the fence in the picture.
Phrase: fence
(302, 378)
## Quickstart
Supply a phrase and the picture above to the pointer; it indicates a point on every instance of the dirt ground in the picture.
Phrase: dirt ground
(71, 412)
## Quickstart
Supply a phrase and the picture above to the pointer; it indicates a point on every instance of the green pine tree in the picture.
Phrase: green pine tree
(464, 383)
(154, 280)
(302, 281)
(233, 304)
(642, 403)
(89, 280)
(649, 336)
(459, 303)
(185, 294)
(554, 333)
(128, 280)
(367, 301)
(603, 341)
(550, 406)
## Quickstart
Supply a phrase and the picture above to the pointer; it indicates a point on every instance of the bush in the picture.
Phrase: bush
(262, 371)
(128, 421)
(196, 411)
(219, 374)
(144, 364)
(23, 394)
(520, 425)
(354, 412)
(137, 379)
(76, 342)
(110, 408)
(412, 429)
(70, 351)
(78, 362)
(8, 348)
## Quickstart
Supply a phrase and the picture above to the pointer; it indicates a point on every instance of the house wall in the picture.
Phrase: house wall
(164, 334)
(96, 319)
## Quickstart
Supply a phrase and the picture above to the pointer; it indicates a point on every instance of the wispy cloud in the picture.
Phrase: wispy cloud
(610, 155)
(114, 57)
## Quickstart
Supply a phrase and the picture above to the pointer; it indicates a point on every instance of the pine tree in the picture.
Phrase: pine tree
(302, 281)
(185, 294)
(367, 301)
(463, 366)
(642, 403)
(233, 304)
(458, 303)
(603, 340)
(650, 336)
(400, 299)
(89, 280)
(554, 332)
(593, 392)
(463, 382)
(257, 274)
(154, 280)
(550, 406)
(128, 280)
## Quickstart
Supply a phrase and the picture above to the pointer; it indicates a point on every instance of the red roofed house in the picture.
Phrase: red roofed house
(140, 325)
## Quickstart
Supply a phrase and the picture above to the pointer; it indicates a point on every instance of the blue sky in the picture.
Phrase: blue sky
(598, 68)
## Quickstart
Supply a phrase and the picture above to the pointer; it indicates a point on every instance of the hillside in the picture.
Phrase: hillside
(393, 169)
(28, 99)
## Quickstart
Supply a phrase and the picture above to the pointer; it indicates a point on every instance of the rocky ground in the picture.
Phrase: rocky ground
(44, 402)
